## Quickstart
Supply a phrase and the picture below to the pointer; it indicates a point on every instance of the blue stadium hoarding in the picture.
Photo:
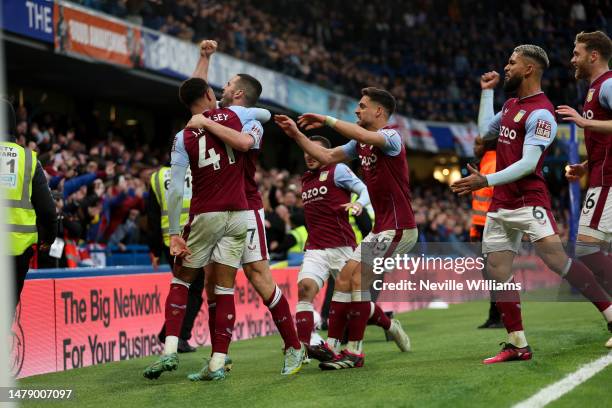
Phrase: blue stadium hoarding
(31, 18)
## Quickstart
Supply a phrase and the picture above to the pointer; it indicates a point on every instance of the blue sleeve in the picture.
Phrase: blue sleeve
(488, 121)
(393, 142)
(179, 156)
(540, 128)
(54, 182)
(176, 192)
(346, 179)
(75, 183)
(605, 94)
(255, 130)
(247, 114)
(350, 149)
(493, 127)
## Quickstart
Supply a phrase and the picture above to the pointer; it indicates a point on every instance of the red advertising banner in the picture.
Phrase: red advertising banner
(67, 323)
(33, 343)
(82, 32)
(76, 322)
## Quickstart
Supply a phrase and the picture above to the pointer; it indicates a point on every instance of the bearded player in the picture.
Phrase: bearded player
(216, 230)
(525, 128)
(591, 59)
(243, 91)
(326, 194)
(383, 161)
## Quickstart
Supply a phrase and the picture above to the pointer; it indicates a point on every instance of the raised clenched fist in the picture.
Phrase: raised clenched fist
(489, 80)
(208, 48)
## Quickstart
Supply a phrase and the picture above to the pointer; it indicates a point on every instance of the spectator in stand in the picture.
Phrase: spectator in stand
(127, 233)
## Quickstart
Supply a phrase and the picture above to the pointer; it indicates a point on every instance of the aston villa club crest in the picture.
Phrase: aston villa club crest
(590, 95)
(520, 115)
(323, 175)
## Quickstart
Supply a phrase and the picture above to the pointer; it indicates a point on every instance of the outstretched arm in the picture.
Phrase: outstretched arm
(248, 138)
(517, 170)
(323, 155)
(236, 140)
(602, 126)
(540, 131)
(349, 130)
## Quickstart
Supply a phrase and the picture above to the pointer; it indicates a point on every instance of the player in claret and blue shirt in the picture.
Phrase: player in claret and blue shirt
(217, 227)
(525, 128)
(326, 194)
(382, 156)
(591, 59)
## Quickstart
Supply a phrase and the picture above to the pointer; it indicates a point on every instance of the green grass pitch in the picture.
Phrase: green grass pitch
(444, 369)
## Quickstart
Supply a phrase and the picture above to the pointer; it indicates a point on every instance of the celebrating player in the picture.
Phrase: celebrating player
(592, 54)
(525, 128)
(216, 230)
(326, 193)
(243, 91)
(383, 161)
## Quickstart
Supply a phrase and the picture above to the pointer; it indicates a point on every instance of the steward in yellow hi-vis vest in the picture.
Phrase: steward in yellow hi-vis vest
(301, 236)
(160, 181)
(29, 210)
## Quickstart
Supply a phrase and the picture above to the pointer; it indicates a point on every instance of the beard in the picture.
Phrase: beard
(226, 100)
(512, 84)
(580, 72)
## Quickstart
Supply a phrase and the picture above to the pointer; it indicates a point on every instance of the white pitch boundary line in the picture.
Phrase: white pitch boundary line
(556, 390)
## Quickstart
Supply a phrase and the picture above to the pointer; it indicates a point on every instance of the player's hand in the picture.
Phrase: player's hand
(178, 247)
(575, 171)
(569, 114)
(198, 121)
(355, 208)
(489, 80)
(208, 48)
(154, 261)
(287, 125)
(310, 121)
(473, 182)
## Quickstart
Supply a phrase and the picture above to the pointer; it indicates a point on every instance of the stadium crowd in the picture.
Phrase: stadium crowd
(101, 188)
(345, 46)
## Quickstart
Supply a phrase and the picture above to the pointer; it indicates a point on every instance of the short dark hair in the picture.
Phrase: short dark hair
(382, 97)
(191, 90)
(323, 140)
(251, 86)
(596, 41)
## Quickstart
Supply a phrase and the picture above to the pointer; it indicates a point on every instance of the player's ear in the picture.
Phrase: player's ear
(380, 111)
